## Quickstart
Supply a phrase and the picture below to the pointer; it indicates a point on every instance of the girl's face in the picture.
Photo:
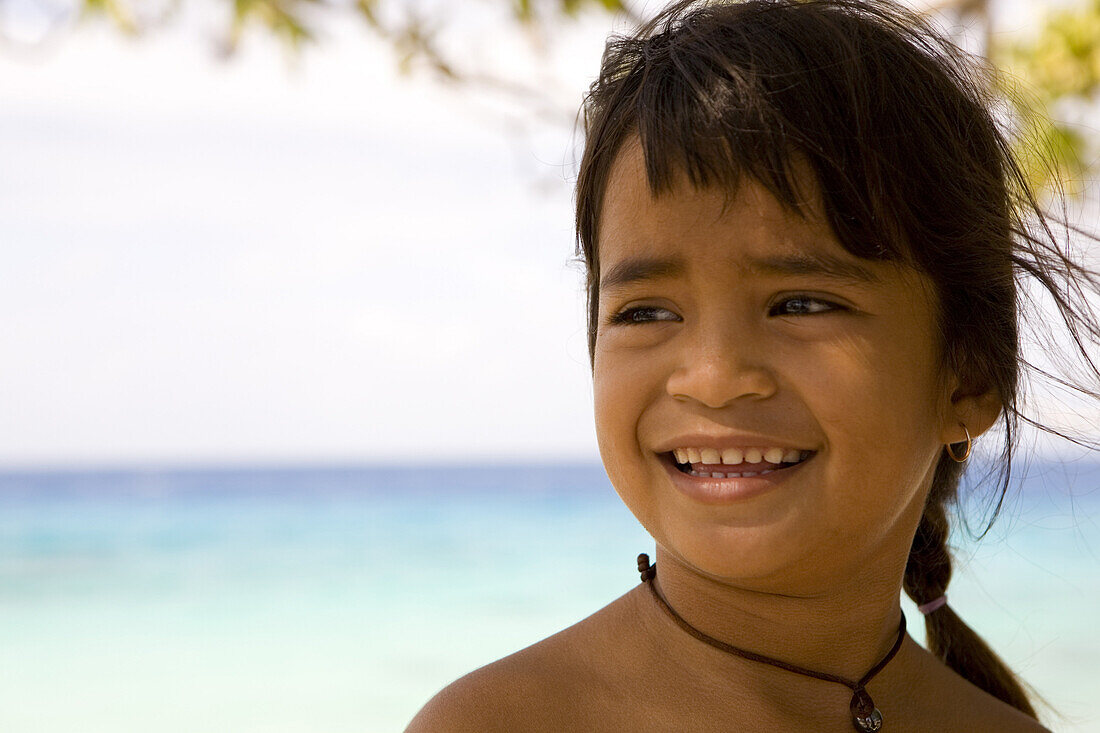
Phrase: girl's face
(737, 330)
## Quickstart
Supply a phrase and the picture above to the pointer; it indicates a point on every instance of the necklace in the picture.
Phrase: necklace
(865, 716)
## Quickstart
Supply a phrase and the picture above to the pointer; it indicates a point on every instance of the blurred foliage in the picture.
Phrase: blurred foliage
(412, 36)
(1049, 75)
(295, 21)
(1052, 75)
(118, 12)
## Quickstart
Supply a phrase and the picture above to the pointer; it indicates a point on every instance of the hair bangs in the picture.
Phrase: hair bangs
(713, 125)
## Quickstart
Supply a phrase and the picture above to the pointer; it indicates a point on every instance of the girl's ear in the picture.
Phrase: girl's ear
(977, 411)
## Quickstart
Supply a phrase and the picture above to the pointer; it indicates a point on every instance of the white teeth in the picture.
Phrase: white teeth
(732, 456)
(736, 456)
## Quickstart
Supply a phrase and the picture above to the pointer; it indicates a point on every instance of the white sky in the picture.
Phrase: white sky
(262, 261)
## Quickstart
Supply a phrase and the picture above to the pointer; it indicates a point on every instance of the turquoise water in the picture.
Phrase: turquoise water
(341, 599)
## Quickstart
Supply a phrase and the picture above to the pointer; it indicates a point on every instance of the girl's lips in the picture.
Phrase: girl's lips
(710, 490)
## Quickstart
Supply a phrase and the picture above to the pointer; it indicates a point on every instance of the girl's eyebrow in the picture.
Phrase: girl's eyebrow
(821, 264)
(640, 269)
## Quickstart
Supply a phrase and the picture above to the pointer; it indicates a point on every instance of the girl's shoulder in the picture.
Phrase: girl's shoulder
(556, 684)
(944, 700)
(599, 675)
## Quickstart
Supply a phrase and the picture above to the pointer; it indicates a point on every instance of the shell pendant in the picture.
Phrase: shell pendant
(865, 716)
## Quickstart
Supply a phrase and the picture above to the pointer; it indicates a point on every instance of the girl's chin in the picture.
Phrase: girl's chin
(756, 557)
(785, 557)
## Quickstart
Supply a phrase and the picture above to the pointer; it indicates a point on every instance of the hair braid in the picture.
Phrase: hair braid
(927, 574)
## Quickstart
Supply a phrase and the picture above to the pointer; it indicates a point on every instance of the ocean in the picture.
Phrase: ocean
(341, 598)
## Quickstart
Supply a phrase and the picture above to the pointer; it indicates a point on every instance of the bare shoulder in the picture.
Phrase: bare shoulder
(981, 711)
(960, 705)
(532, 689)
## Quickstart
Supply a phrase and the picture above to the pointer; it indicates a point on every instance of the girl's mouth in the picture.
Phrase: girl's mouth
(741, 464)
(724, 480)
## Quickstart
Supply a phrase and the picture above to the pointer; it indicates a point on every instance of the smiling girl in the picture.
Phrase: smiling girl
(804, 235)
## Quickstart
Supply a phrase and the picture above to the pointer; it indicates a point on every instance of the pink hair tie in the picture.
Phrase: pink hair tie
(927, 608)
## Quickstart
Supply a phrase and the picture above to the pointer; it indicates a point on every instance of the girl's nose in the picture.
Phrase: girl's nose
(716, 371)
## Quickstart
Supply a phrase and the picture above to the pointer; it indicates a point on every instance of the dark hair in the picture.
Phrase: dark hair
(899, 127)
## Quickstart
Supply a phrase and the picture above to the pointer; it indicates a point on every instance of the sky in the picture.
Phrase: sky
(276, 259)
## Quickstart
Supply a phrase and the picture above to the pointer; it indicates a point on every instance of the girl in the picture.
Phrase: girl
(803, 232)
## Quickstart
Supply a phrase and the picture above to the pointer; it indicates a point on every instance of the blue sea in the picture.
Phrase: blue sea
(341, 598)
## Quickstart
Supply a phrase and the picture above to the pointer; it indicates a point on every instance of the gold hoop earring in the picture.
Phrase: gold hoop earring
(966, 453)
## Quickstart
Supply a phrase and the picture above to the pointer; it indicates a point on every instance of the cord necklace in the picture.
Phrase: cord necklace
(865, 716)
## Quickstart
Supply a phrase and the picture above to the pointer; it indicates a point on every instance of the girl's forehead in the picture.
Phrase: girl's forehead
(633, 212)
(689, 232)
(704, 222)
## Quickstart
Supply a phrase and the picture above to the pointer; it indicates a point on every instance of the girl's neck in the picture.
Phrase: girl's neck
(844, 631)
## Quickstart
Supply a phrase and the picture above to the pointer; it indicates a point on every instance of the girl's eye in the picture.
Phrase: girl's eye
(803, 306)
(643, 314)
